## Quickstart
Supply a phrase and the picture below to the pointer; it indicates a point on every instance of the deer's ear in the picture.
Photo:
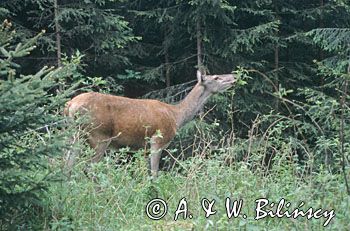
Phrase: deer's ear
(199, 76)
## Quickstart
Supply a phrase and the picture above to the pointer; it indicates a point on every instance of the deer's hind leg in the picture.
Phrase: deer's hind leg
(100, 146)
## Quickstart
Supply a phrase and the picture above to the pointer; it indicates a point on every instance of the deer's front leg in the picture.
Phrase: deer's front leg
(157, 146)
(155, 159)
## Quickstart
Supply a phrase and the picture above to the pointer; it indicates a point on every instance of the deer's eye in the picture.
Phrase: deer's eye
(216, 78)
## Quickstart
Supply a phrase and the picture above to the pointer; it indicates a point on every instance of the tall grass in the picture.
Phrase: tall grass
(118, 200)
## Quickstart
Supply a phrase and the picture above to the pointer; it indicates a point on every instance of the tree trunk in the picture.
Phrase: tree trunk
(341, 131)
(200, 66)
(277, 61)
(58, 35)
(276, 73)
(199, 48)
(320, 50)
(167, 64)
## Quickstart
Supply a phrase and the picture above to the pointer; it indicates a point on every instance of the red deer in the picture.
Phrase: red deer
(119, 121)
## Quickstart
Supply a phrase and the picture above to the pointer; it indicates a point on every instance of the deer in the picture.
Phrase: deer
(118, 121)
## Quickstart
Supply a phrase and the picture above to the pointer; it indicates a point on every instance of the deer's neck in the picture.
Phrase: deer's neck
(189, 107)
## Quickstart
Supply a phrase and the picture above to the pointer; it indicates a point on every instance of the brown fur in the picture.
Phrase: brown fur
(124, 121)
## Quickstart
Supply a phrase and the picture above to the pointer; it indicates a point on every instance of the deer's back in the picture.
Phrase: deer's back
(127, 121)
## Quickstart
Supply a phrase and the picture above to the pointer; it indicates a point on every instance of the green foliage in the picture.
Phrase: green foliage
(94, 27)
(30, 131)
(331, 39)
(335, 41)
(123, 193)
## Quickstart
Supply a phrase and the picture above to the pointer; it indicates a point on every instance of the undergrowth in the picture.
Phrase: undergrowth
(118, 200)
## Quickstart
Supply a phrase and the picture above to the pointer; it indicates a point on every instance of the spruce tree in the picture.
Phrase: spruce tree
(30, 130)
(96, 28)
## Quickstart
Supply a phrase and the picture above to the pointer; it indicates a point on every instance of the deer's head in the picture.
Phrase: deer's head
(216, 83)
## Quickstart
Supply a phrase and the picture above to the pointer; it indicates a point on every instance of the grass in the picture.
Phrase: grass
(119, 199)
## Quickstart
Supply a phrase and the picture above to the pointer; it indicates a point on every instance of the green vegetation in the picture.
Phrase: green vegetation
(282, 132)
(125, 191)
